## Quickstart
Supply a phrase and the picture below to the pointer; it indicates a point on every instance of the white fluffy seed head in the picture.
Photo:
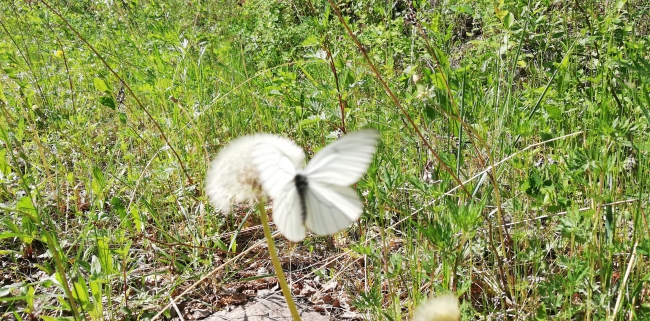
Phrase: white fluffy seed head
(442, 308)
(232, 177)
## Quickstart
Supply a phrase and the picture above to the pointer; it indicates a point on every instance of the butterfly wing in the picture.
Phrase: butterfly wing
(331, 204)
(276, 173)
(344, 161)
(331, 209)
(275, 170)
(287, 214)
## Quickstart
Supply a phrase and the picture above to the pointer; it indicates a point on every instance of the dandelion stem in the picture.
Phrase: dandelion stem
(276, 262)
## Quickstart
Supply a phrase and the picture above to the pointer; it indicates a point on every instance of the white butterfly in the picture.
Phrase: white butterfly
(319, 196)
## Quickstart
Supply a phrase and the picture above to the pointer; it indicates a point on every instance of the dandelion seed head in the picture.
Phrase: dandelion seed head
(232, 177)
(442, 308)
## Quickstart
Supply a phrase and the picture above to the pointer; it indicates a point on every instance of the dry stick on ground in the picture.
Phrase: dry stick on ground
(217, 269)
(180, 315)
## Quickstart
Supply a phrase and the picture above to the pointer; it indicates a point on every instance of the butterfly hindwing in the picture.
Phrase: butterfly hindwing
(287, 214)
(331, 209)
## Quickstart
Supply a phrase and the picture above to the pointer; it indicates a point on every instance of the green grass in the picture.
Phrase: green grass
(101, 178)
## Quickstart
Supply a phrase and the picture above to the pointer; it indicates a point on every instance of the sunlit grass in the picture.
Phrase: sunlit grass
(94, 195)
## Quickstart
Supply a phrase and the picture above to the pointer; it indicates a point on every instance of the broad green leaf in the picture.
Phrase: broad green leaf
(26, 238)
(311, 41)
(501, 14)
(99, 182)
(97, 310)
(508, 20)
(2, 94)
(80, 292)
(26, 207)
(107, 101)
(137, 220)
(29, 298)
(100, 85)
(20, 129)
(123, 118)
(5, 169)
(309, 121)
(105, 256)
(553, 112)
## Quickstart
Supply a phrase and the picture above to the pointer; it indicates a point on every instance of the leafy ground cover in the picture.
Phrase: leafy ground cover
(512, 169)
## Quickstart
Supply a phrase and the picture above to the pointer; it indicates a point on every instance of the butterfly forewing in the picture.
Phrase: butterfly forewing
(344, 161)
(275, 170)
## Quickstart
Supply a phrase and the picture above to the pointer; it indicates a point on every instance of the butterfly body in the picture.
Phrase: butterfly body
(301, 188)
(318, 197)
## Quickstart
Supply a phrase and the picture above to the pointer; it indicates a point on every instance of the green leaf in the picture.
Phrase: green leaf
(118, 207)
(364, 250)
(463, 8)
(643, 248)
(431, 112)
(311, 41)
(96, 290)
(59, 279)
(5, 169)
(501, 14)
(98, 178)
(2, 94)
(123, 118)
(29, 298)
(80, 292)
(553, 112)
(26, 207)
(107, 101)
(100, 85)
(508, 20)
(105, 256)
(26, 238)
(221, 245)
(137, 220)
(20, 129)
(309, 121)
(541, 313)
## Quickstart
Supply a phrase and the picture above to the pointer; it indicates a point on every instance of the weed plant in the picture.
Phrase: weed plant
(112, 110)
